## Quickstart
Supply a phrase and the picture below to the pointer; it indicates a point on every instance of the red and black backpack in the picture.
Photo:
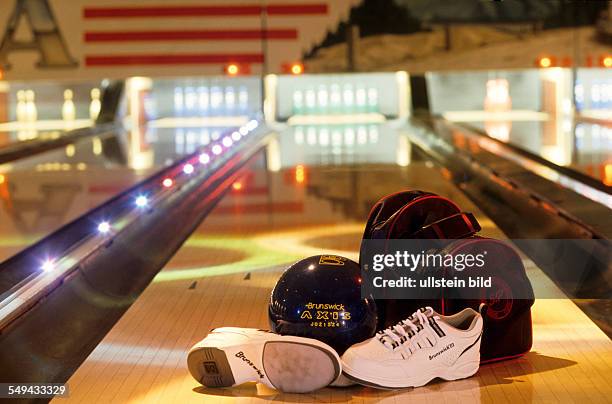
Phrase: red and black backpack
(424, 215)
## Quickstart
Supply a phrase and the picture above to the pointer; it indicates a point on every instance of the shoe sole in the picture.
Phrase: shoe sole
(455, 373)
(291, 367)
(212, 366)
(295, 367)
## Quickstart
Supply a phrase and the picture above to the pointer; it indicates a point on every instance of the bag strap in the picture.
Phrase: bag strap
(387, 206)
(459, 225)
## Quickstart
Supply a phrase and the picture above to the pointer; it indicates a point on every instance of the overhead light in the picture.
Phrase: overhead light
(216, 149)
(227, 141)
(545, 61)
(236, 136)
(232, 69)
(297, 68)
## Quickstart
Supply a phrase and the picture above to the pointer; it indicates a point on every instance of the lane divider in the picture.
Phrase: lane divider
(141, 200)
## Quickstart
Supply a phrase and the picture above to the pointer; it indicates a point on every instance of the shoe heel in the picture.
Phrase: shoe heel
(210, 367)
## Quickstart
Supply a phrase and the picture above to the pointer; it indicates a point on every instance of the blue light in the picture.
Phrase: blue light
(104, 227)
(48, 266)
(142, 201)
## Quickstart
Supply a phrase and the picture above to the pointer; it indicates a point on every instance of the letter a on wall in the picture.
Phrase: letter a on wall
(47, 39)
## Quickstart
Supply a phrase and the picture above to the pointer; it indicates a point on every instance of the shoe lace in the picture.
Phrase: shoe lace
(396, 335)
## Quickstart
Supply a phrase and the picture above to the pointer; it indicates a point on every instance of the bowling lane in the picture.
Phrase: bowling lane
(583, 147)
(309, 192)
(39, 194)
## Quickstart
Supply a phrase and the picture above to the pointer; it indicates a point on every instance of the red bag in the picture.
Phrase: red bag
(424, 215)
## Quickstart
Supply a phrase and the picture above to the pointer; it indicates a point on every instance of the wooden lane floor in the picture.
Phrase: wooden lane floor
(224, 273)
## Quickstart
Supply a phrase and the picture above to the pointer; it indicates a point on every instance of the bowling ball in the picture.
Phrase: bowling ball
(320, 297)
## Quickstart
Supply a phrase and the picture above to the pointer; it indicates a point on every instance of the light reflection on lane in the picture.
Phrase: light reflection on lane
(41, 193)
(585, 147)
(341, 144)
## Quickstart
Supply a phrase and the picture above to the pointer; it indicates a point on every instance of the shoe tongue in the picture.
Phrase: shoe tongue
(427, 311)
